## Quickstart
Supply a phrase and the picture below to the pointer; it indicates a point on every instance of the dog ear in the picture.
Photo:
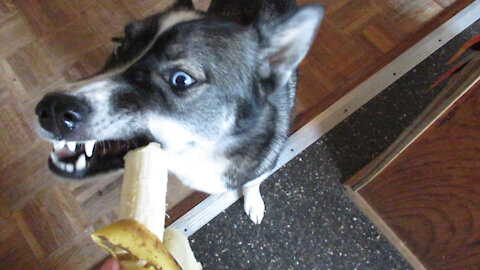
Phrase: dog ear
(286, 41)
(184, 4)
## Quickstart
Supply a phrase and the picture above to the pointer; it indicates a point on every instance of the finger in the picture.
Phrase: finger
(111, 264)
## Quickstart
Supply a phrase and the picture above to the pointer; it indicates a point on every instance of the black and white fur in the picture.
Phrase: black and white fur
(215, 89)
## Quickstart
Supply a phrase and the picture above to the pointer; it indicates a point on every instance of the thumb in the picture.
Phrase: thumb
(111, 264)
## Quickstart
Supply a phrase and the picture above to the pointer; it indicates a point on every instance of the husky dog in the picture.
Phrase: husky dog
(215, 89)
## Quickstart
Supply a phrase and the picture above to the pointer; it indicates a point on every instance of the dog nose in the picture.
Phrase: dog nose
(61, 113)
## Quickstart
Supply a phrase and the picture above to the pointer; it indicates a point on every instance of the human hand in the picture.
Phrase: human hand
(111, 264)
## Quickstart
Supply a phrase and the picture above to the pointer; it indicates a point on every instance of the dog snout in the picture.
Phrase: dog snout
(60, 113)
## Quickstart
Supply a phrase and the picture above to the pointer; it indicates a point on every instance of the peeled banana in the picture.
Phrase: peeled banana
(144, 188)
(136, 239)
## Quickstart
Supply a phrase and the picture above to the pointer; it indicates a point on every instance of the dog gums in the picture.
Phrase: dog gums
(46, 223)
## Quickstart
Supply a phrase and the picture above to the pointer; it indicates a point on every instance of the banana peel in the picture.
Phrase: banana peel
(134, 246)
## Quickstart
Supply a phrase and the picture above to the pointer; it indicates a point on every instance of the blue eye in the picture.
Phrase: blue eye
(180, 79)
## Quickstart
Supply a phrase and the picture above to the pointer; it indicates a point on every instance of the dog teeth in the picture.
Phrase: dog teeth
(69, 168)
(79, 165)
(58, 145)
(54, 157)
(57, 162)
(89, 145)
(81, 162)
(71, 146)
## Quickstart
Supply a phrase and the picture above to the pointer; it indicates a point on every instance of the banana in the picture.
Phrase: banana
(136, 239)
(144, 188)
(177, 243)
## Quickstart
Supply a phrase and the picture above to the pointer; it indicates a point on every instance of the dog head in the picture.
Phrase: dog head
(181, 78)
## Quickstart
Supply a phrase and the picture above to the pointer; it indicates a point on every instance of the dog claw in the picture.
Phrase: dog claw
(256, 215)
(255, 212)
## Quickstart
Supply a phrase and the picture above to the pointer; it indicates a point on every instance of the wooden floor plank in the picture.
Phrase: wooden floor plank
(80, 253)
(14, 249)
(11, 41)
(49, 221)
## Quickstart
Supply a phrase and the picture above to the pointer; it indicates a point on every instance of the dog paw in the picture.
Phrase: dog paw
(254, 207)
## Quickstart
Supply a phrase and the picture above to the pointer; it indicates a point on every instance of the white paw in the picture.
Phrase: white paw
(254, 206)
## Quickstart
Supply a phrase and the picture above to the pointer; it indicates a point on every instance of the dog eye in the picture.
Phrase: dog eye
(181, 80)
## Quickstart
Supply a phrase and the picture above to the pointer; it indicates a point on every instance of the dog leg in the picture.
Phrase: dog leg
(253, 203)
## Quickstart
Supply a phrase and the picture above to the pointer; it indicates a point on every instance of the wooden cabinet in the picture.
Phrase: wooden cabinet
(424, 191)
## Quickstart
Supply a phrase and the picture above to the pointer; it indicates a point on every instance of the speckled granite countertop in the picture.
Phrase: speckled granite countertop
(310, 222)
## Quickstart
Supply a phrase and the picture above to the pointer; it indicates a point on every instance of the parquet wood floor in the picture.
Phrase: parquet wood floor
(45, 222)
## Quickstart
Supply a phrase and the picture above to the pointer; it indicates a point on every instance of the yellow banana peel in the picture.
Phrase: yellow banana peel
(134, 246)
